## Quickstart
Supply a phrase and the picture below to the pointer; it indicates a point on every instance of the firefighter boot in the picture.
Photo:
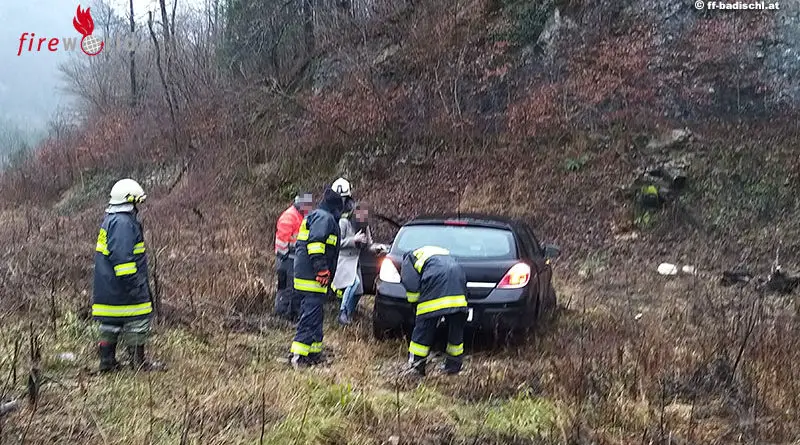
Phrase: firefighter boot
(317, 358)
(415, 367)
(451, 365)
(300, 361)
(139, 361)
(108, 359)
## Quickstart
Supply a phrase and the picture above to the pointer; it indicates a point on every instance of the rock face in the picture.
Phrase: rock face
(683, 62)
(328, 71)
(669, 140)
(781, 53)
(387, 53)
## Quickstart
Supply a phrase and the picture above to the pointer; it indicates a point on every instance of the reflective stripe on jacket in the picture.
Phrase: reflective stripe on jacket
(435, 281)
(287, 229)
(317, 250)
(121, 292)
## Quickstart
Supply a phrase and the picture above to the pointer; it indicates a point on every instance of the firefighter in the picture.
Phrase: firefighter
(437, 284)
(314, 267)
(121, 294)
(287, 305)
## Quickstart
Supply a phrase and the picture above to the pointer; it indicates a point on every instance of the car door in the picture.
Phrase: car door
(528, 255)
(383, 230)
(542, 267)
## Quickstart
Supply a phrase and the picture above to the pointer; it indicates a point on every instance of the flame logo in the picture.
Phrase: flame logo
(83, 22)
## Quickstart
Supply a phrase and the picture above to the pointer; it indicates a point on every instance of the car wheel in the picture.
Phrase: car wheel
(549, 305)
(536, 311)
(381, 328)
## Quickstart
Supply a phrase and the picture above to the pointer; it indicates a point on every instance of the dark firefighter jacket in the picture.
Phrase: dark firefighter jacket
(435, 281)
(318, 244)
(121, 291)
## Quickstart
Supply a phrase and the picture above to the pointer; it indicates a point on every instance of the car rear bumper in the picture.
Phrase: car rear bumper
(503, 308)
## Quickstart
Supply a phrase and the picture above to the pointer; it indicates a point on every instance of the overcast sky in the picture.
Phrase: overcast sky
(30, 83)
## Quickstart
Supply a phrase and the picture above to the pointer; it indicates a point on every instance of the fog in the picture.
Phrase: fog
(30, 84)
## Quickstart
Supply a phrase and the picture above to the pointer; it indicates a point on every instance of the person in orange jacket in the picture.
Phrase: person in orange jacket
(287, 305)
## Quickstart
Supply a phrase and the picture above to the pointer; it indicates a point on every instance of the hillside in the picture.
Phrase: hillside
(549, 111)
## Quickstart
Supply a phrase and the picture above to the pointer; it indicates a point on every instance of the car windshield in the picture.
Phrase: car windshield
(466, 242)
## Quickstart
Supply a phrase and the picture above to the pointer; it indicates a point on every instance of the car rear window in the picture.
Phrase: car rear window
(467, 242)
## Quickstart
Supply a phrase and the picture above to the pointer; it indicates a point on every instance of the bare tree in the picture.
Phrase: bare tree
(164, 81)
(132, 57)
(169, 47)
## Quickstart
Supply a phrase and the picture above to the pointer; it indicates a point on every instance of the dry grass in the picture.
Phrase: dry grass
(226, 383)
(681, 359)
(633, 358)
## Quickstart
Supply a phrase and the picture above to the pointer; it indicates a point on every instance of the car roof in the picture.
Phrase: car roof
(477, 219)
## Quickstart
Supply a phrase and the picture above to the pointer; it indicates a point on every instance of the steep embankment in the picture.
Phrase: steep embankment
(540, 110)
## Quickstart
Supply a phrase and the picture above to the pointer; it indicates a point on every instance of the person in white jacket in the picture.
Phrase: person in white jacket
(355, 236)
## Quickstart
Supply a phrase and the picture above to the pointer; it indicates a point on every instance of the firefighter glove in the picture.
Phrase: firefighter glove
(324, 277)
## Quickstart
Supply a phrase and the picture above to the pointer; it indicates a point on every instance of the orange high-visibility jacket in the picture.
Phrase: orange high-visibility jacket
(288, 227)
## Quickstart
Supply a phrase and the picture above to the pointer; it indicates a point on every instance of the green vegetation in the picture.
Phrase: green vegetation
(576, 164)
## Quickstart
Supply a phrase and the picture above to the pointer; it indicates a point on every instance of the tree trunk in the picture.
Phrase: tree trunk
(164, 23)
(169, 49)
(164, 82)
(308, 26)
(132, 58)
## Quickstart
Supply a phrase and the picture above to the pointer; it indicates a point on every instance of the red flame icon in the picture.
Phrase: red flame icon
(83, 21)
(84, 24)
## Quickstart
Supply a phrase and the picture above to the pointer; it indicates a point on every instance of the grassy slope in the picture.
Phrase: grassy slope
(632, 356)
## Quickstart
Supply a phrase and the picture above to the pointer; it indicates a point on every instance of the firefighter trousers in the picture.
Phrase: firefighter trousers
(308, 340)
(131, 333)
(287, 300)
(423, 336)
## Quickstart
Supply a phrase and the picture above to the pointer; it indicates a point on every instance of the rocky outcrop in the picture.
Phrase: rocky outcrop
(674, 60)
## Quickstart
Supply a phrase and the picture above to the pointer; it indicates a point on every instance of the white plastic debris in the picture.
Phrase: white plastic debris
(667, 269)
(8, 407)
(66, 357)
(689, 270)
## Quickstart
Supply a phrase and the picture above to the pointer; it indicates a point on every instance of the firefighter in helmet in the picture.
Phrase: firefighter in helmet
(437, 284)
(314, 267)
(121, 294)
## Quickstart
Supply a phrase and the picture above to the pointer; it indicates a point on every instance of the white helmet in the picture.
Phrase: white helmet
(341, 186)
(127, 191)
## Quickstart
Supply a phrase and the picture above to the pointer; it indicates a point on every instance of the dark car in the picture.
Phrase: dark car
(383, 227)
(508, 272)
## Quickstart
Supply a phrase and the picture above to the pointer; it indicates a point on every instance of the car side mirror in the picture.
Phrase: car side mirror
(551, 251)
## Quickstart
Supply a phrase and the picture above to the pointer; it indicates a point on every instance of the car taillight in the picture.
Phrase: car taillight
(389, 273)
(516, 277)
